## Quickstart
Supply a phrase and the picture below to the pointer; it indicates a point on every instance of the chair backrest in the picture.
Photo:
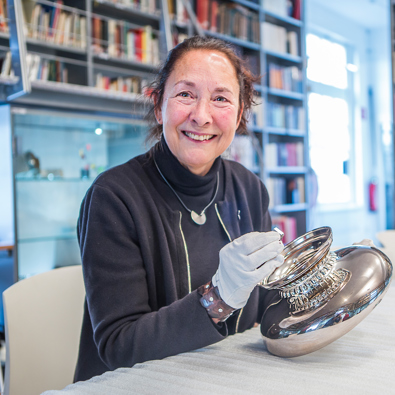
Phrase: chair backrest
(43, 317)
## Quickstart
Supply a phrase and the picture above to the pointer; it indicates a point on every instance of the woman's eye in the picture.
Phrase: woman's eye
(184, 94)
(221, 99)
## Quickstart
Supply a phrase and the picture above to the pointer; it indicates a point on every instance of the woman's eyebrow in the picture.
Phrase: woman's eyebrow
(190, 83)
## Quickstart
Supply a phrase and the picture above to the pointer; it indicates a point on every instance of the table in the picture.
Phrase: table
(360, 362)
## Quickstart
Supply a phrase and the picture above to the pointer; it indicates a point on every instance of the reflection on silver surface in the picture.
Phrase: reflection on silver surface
(322, 294)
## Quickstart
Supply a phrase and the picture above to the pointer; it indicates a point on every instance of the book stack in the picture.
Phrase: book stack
(5, 65)
(3, 17)
(285, 78)
(278, 39)
(118, 39)
(284, 154)
(287, 225)
(40, 69)
(291, 8)
(54, 25)
(120, 84)
(148, 6)
(285, 116)
(286, 190)
(228, 18)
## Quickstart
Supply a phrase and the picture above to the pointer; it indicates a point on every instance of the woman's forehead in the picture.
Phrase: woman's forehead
(204, 63)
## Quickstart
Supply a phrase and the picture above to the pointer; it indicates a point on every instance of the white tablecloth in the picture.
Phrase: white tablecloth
(361, 362)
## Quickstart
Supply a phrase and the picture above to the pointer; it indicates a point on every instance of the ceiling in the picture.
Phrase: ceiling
(368, 13)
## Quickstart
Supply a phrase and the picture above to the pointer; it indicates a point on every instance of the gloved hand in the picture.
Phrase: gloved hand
(237, 274)
(365, 242)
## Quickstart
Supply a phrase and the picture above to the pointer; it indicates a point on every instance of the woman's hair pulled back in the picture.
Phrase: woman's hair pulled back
(245, 79)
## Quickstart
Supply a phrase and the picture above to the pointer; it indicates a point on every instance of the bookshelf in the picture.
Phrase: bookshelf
(67, 51)
(269, 35)
(98, 55)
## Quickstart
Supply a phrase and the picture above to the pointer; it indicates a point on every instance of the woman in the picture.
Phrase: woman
(174, 241)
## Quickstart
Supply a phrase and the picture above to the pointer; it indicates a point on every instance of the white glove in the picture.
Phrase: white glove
(365, 242)
(237, 274)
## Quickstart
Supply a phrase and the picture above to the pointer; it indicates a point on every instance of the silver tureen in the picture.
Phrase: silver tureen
(323, 294)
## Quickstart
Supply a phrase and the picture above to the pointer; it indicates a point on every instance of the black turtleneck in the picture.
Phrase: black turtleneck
(196, 192)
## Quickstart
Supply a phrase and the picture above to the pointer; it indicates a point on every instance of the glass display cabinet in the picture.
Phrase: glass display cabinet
(56, 156)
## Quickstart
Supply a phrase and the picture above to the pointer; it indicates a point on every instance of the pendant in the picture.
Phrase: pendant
(198, 219)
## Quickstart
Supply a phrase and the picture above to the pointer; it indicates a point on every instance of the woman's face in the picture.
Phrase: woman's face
(200, 107)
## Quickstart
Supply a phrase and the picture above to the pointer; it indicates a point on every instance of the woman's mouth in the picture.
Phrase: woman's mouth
(199, 137)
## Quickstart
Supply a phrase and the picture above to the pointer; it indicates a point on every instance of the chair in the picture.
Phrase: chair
(43, 317)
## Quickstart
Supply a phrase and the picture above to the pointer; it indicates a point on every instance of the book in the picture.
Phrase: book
(5, 69)
(3, 16)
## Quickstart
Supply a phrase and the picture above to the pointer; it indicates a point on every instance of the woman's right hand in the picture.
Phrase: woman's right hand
(244, 263)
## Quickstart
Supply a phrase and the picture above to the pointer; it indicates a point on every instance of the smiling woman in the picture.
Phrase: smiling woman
(174, 241)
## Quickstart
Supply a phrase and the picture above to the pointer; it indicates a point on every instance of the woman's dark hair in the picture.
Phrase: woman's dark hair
(245, 78)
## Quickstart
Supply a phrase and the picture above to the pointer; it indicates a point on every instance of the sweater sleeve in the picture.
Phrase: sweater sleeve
(125, 329)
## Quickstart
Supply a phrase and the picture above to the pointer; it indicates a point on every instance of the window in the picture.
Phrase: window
(331, 121)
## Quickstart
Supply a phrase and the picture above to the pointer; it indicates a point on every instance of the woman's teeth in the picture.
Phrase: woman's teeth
(199, 137)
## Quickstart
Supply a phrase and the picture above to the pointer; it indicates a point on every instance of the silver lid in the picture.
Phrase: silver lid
(300, 255)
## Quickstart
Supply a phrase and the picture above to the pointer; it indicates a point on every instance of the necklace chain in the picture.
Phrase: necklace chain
(186, 208)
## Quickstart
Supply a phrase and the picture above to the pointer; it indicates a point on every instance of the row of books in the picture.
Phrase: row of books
(278, 39)
(285, 116)
(284, 154)
(41, 69)
(6, 70)
(285, 78)
(3, 17)
(54, 25)
(132, 84)
(291, 8)
(288, 225)
(118, 39)
(284, 190)
(228, 18)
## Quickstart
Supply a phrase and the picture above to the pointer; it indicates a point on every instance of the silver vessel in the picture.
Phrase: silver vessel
(323, 294)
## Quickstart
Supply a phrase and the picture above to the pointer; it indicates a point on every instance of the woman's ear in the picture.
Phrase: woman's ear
(240, 115)
(158, 111)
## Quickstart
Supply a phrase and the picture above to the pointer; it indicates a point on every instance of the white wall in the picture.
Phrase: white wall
(372, 57)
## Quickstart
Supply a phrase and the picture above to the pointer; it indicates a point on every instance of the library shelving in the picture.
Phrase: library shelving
(91, 59)
(270, 36)
(66, 51)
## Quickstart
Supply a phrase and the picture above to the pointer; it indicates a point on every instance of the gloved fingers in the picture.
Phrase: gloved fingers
(269, 267)
(265, 254)
(251, 242)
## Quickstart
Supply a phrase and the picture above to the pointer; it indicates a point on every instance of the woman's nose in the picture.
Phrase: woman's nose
(201, 113)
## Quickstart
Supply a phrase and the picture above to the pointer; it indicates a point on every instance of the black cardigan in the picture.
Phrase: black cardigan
(134, 263)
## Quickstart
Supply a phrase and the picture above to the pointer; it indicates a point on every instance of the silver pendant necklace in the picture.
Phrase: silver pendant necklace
(199, 219)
